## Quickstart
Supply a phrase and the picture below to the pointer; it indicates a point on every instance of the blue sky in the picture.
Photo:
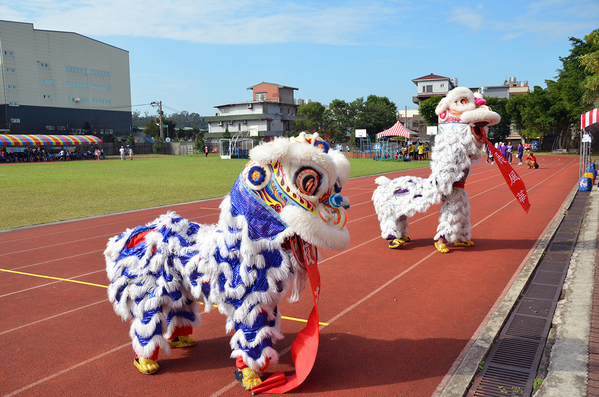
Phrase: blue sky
(194, 55)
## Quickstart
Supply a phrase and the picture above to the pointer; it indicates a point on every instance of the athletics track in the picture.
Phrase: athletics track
(395, 322)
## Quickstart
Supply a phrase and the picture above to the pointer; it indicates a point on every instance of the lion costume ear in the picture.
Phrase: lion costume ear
(442, 106)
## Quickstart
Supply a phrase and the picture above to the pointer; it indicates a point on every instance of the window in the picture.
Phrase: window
(100, 73)
(44, 65)
(101, 101)
(13, 104)
(429, 88)
(11, 86)
(10, 70)
(100, 87)
(46, 81)
(261, 96)
(9, 53)
(77, 70)
(82, 85)
(15, 121)
(47, 96)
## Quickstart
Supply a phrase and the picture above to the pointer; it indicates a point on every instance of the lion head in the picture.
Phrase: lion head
(293, 187)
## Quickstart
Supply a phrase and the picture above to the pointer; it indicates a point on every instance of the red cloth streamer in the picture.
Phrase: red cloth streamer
(512, 179)
(305, 345)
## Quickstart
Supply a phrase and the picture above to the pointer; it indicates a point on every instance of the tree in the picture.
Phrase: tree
(309, 117)
(591, 63)
(427, 110)
(340, 119)
(377, 114)
(501, 131)
(152, 130)
(536, 117)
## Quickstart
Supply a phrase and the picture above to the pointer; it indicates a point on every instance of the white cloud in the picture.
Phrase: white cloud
(468, 17)
(544, 19)
(213, 22)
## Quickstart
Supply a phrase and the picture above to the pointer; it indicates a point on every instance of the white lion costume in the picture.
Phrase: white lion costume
(286, 199)
(457, 145)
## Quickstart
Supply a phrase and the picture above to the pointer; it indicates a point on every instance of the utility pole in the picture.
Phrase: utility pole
(159, 122)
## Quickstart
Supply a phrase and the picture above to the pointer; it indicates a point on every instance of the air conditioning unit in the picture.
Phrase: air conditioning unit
(250, 105)
(245, 121)
(230, 121)
(220, 123)
(77, 99)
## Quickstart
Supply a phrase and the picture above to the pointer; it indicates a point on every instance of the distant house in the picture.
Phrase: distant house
(270, 113)
(507, 90)
(433, 85)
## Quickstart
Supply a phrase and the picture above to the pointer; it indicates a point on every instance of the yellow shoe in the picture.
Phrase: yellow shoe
(442, 248)
(468, 243)
(247, 377)
(398, 242)
(146, 365)
(182, 341)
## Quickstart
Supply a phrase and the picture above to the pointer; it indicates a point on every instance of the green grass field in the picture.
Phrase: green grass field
(37, 193)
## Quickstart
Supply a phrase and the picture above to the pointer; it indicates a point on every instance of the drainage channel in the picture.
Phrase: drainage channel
(512, 363)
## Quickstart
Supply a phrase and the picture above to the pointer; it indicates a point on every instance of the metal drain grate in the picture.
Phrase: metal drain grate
(501, 382)
(526, 327)
(512, 362)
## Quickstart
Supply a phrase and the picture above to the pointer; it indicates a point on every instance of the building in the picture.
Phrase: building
(270, 113)
(433, 85)
(507, 90)
(62, 83)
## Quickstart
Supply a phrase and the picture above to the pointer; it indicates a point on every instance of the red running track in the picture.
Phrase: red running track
(397, 320)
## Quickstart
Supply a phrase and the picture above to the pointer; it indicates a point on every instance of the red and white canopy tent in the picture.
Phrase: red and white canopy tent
(397, 130)
(589, 123)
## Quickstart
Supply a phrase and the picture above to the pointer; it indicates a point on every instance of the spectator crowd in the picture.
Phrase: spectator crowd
(40, 154)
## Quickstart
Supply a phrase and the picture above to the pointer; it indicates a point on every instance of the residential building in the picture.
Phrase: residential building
(433, 85)
(61, 83)
(270, 113)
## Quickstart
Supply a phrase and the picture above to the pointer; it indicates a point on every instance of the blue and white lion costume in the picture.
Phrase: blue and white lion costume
(286, 198)
(458, 144)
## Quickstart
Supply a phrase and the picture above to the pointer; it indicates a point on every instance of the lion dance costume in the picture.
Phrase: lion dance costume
(287, 199)
(457, 144)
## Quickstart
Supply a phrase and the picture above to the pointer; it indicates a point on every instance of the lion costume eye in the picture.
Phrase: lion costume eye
(463, 101)
(307, 180)
(257, 176)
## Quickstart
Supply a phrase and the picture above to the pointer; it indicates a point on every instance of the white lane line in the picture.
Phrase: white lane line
(52, 317)
(67, 370)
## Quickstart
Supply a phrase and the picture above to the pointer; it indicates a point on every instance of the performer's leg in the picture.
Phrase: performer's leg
(454, 221)
(180, 325)
(252, 349)
(401, 233)
(146, 334)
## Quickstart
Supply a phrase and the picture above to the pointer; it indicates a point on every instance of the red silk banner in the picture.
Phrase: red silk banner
(512, 179)
(305, 345)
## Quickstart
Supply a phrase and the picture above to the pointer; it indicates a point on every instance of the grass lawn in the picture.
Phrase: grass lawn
(36, 193)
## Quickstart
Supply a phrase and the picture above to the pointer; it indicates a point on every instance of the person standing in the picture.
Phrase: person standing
(130, 153)
(122, 152)
(206, 150)
(520, 153)
(509, 151)
(421, 152)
